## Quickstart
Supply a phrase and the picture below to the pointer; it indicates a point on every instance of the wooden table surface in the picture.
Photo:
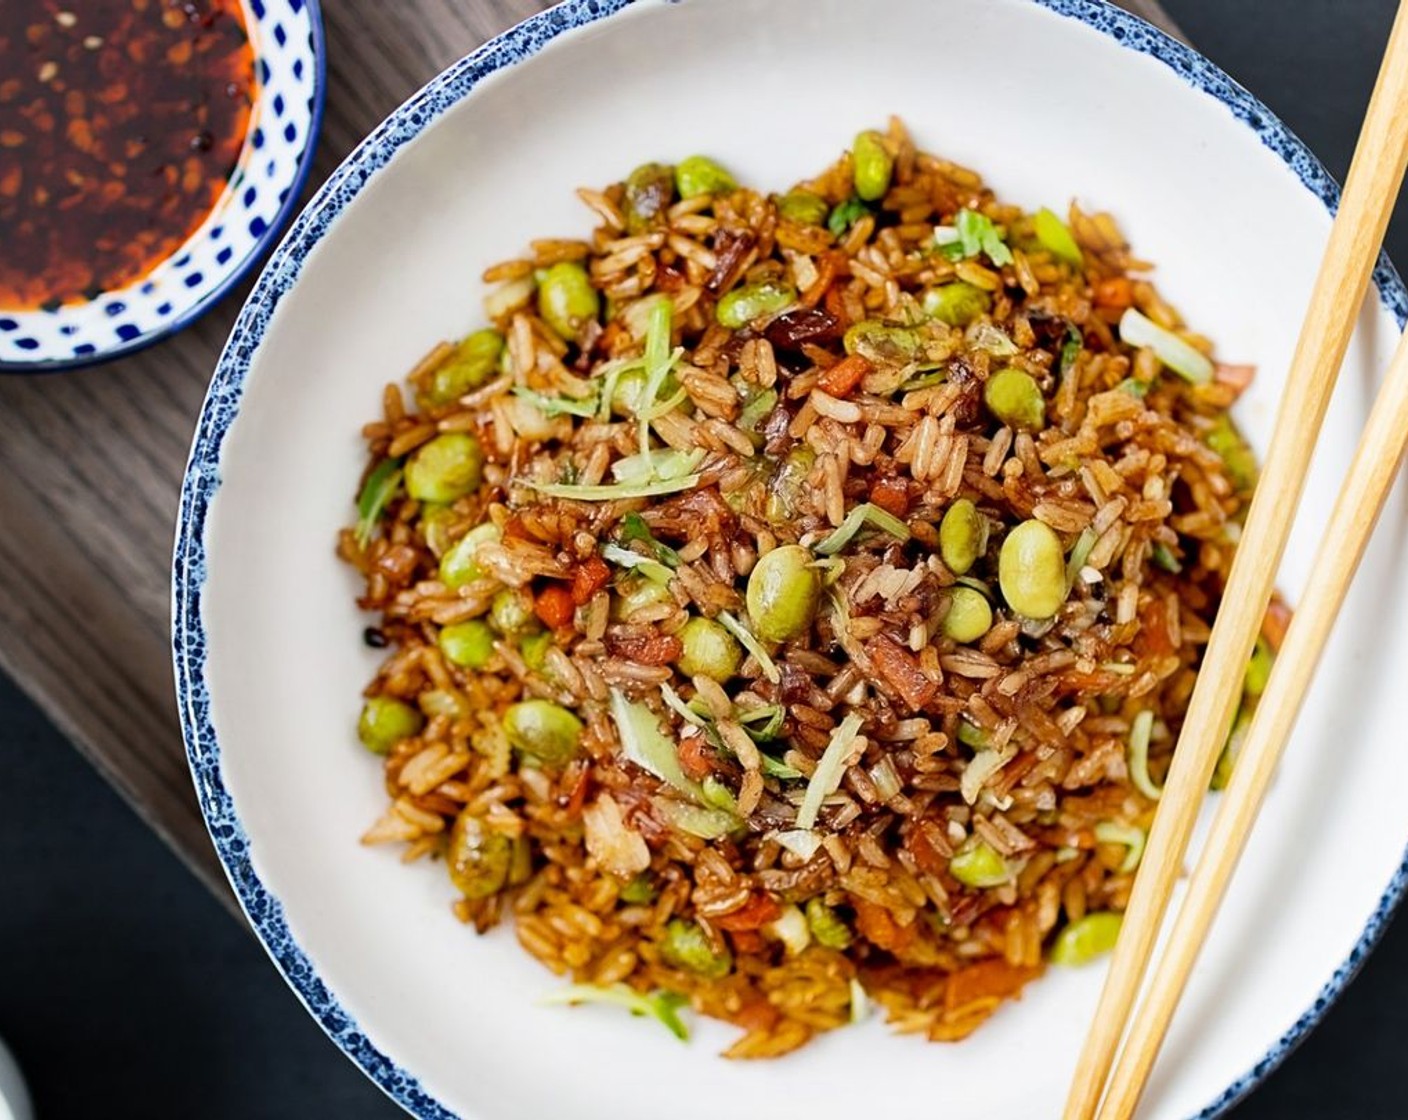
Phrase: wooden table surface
(91, 463)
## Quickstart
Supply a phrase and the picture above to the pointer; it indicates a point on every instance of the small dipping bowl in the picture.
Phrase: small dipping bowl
(177, 285)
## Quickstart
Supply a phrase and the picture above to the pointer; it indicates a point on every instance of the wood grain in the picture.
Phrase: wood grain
(91, 462)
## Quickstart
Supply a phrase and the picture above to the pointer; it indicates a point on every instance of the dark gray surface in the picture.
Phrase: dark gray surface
(125, 991)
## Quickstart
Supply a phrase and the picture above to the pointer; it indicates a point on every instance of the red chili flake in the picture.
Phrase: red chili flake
(757, 912)
(842, 378)
(554, 606)
(120, 129)
(901, 671)
(590, 577)
(892, 495)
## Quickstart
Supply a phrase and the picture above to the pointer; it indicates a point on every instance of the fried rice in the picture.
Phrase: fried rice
(901, 789)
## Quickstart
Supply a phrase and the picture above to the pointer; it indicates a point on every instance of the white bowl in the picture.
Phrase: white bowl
(1049, 100)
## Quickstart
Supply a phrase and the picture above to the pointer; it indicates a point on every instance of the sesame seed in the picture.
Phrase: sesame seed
(48, 71)
(93, 42)
(65, 19)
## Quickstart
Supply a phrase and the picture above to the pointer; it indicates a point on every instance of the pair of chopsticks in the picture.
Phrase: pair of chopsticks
(1370, 192)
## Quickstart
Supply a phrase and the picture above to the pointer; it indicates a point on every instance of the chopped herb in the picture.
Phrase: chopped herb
(1055, 237)
(648, 747)
(1111, 832)
(616, 492)
(380, 488)
(558, 406)
(847, 214)
(1163, 557)
(866, 511)
(653, 570)
(1134, 387)
(801, 842)
(660, 1005)
(719, 796)
(638, 891)
(1139, 733)
(676, 704)
(1080, 553)
(634, 528)
(975, 234)
(1184, 359)
(1071, 348)
(829, 770)
(749, 642)
(775, 769)
(771, 716)
(707, 824)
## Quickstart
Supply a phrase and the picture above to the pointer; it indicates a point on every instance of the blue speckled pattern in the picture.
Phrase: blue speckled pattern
(290, 64)
(223, 402)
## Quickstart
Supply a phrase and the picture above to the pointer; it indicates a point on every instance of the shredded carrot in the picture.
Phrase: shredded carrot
(1115, 293)
(993, 979)
(757, 912)
(590, 577)
(842, 378)
(901, 671)
(891, 495)
(554, 606)
(880, 929)
(696, 757)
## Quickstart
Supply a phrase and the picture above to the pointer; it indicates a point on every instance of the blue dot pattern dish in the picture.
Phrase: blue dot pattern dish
(222, 404)
(287, 38)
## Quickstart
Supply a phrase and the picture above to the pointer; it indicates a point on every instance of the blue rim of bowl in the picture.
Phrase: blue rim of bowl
(202, 480)
(256, 251)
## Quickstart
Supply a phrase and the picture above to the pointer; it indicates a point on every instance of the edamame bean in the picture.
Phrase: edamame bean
(789, 484)
(956, 304)
(826, 926)
(1031, 570)
(783, 591)
(469, 645)
(385, 721)
(709, 650)
(650, 189)
(636, 595)
(883, 343)
(873, 166)
(566, 299)
(544, 732)
(445, 469)
(477, 857)
(1014, 397)
(978, 865)
(1258, 669)
(754, 301)
(687, 946)
(963, 536)
(1093, 936)
(533, 648)
(458, 566)
(969, 616)
(474, 361)
(626, 395)
(803, 207)
(511, 612)
(698, 175)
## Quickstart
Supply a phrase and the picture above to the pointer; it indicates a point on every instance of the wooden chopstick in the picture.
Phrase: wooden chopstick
(1355, 237)
(1361, 500)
